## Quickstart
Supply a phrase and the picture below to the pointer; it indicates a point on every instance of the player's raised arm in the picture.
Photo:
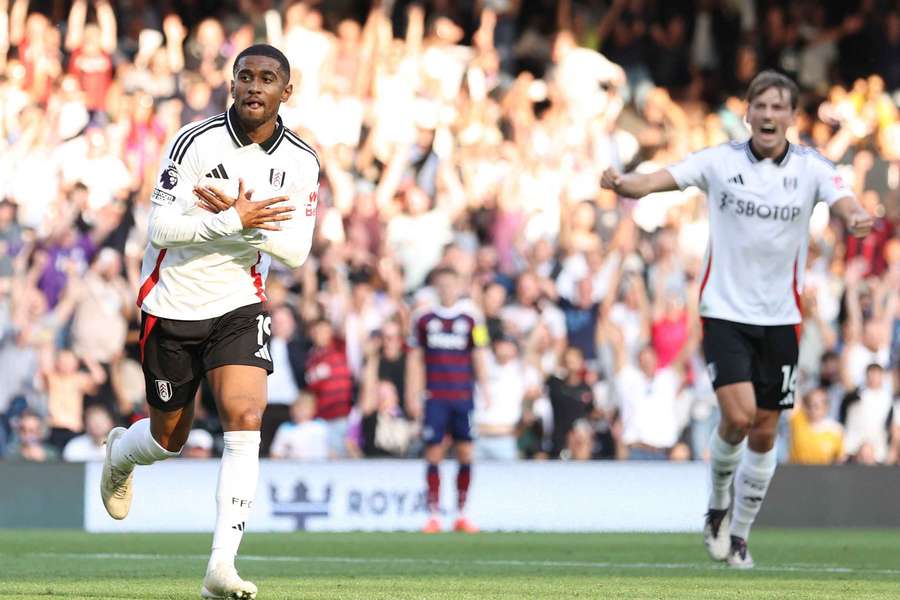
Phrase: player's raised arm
(415, 370)
(638, 185)
(415, 382)
(855, 217)
(831, 189)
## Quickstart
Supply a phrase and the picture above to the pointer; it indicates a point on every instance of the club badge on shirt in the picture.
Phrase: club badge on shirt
(276, 178)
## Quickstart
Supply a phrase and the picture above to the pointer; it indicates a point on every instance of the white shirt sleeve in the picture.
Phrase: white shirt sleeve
(291, 244)
(172, 197)
(830, 186)
(694, 170)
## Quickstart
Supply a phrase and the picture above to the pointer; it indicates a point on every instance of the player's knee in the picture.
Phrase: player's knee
(249, 419)
(737, 425)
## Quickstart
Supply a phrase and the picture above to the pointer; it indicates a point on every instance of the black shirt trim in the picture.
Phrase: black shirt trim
(240, 137)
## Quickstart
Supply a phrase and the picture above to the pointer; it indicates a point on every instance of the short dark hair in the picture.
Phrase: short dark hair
(265, 50)
(773, 79)
(874, 367)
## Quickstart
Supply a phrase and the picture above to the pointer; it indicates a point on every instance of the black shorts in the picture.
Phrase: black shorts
(764, 355)
(176, 354)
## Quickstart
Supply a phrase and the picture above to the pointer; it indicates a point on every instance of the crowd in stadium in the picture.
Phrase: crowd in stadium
(469, 135)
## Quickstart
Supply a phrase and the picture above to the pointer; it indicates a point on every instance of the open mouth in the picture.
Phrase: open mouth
(767, 128)
(253, 104)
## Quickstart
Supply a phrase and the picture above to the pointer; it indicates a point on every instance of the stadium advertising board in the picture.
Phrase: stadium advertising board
(383, 495)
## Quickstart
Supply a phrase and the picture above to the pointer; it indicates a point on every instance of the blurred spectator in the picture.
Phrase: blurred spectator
(570, 396)
(27, 443)
(648, 396)
(329, 380)
(103, 306)
(579, 441)
(91, 46)
(199, 444)
(390, 361)
(867, 421)
(867, 335)
(816, 439)
(304, 437)
(287, 347)
(385, 430)
(66, 387)
(91, 445)
(513, 383)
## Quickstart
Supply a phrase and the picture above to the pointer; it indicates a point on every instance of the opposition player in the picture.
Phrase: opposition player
(202, 297)
(761, 196)
(446, 356)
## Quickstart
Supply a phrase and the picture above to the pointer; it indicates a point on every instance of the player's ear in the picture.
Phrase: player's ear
(231, 88)
(286, 93)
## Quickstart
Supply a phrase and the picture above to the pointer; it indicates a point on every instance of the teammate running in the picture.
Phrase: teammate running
(761, 196)
(447, 353)
(203, 292)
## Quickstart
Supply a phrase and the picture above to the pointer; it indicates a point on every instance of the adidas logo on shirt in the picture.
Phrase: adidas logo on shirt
(263, 353)
(218, 173)
(739, 179)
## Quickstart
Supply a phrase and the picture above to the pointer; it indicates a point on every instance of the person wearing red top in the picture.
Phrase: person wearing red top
(329, 379)
(670, 329)
(871, 247)
(91, 47)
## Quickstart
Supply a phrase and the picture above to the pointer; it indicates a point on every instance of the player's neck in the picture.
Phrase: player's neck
(775, 154)
(262, 132)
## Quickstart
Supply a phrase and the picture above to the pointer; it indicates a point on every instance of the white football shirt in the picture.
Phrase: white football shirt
(200, 265)
(759, 212)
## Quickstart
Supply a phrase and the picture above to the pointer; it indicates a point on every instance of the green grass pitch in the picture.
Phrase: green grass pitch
(371, 566)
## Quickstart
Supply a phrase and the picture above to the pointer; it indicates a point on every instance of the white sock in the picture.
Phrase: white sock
(235, 493)
(750, 485)
(724, 459)
(137, 447)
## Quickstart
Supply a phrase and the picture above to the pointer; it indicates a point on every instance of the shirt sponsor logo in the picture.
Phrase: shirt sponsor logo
(169, 177)
(160, 197)
(749, 208)
(447, 341)
(312, 202)
(461, 326)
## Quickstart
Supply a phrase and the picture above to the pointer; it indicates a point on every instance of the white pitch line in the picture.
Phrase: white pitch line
(477, 562)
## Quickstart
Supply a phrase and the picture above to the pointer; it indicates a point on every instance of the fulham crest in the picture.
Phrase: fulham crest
(276, 178)
(164, 390)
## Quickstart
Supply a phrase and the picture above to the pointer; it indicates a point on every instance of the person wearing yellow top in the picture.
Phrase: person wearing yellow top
(815, 438)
